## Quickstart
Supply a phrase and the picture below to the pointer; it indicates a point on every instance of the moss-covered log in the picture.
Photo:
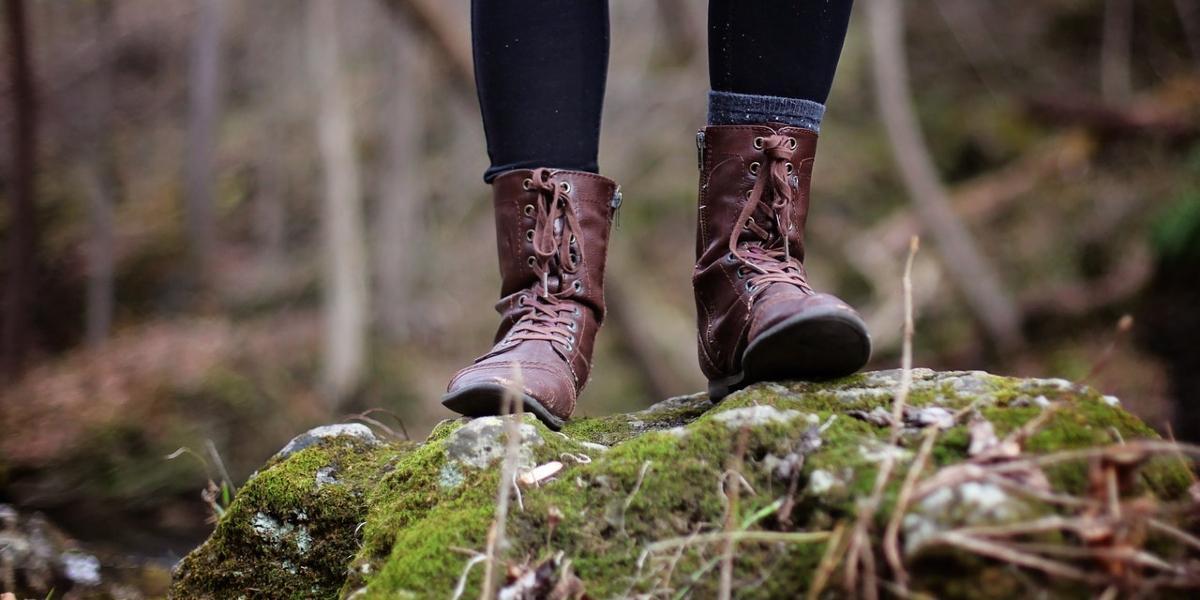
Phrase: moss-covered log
(639, 508)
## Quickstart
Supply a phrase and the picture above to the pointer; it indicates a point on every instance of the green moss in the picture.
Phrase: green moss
(408, 518)
(287, 534)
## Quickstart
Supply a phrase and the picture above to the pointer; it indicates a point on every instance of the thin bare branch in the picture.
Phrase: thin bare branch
(971, 272)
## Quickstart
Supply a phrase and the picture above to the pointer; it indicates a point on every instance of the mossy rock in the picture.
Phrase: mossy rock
(352, 516)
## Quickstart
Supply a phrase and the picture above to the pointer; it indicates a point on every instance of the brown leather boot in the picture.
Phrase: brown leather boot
(758, 318)
(552, 237)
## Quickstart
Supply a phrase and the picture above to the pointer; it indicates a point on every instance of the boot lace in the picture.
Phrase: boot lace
(765, 254)
(556, 251)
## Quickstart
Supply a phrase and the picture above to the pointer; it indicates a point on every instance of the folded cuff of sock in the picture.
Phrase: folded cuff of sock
(729, 108)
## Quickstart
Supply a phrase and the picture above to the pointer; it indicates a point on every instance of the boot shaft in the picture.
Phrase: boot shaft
(518, 202)
(734, 159)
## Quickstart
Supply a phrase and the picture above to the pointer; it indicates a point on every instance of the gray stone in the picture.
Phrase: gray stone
(755, 415)
(325, 432)
(81, 567)
(480, 442)
(326, 476)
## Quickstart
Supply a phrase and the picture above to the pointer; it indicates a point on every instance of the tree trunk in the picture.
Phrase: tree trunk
(972, 273)
(270, 44)
(398, 229)
(204, 108)
(1115, 80)
(100, 180)
(342, 228)
(1189, 20)
(15, 337)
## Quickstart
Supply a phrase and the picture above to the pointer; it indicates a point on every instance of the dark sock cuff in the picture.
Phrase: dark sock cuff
(730, 108)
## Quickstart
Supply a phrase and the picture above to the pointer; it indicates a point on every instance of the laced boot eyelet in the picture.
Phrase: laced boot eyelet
(578, 313)
(749, 222)
(531, 261)
(749, 287)
(529, 235)
(791, 143)
(565, 186)
(521, 299)
(741, 273)
(529, 210)
(571, 326)
(577, 286)
(754, 167)
(730, 258)
(527, 184)
(790, 168)
(758, 143)
(572, 239)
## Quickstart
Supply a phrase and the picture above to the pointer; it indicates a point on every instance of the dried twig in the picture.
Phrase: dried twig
(1124, 326)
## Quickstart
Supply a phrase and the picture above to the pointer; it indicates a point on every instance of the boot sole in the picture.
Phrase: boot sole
(487, 399)
(813, 346)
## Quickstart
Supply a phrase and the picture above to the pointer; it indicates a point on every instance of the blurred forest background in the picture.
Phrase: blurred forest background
(225, 222)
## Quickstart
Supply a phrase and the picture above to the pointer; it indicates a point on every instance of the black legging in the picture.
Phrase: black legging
(540, 68)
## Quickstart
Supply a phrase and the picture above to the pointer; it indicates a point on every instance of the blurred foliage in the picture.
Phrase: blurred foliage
(1063, 205)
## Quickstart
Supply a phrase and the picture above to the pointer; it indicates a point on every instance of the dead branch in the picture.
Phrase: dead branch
(1075, 299)
(1144, 119)
(972, 273)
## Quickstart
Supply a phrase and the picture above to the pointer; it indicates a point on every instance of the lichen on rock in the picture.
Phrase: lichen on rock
(346, 516)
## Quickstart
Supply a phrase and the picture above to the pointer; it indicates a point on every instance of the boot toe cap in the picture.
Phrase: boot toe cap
(550, 386)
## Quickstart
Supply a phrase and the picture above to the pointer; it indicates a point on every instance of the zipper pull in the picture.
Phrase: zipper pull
(700, 149)
(616, 205)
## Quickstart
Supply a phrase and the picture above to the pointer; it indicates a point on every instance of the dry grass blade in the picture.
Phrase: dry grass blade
(514, 415)
(859, 552)
(461, 586)
(833, 552)
(734, 474)
(735, 537)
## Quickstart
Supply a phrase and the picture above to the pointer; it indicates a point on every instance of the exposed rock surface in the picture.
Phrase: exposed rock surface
(351, 516)
(38, 560)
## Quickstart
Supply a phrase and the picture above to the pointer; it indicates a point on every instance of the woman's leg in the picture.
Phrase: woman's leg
(540, 68)
(771, 63)
(773, 60)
